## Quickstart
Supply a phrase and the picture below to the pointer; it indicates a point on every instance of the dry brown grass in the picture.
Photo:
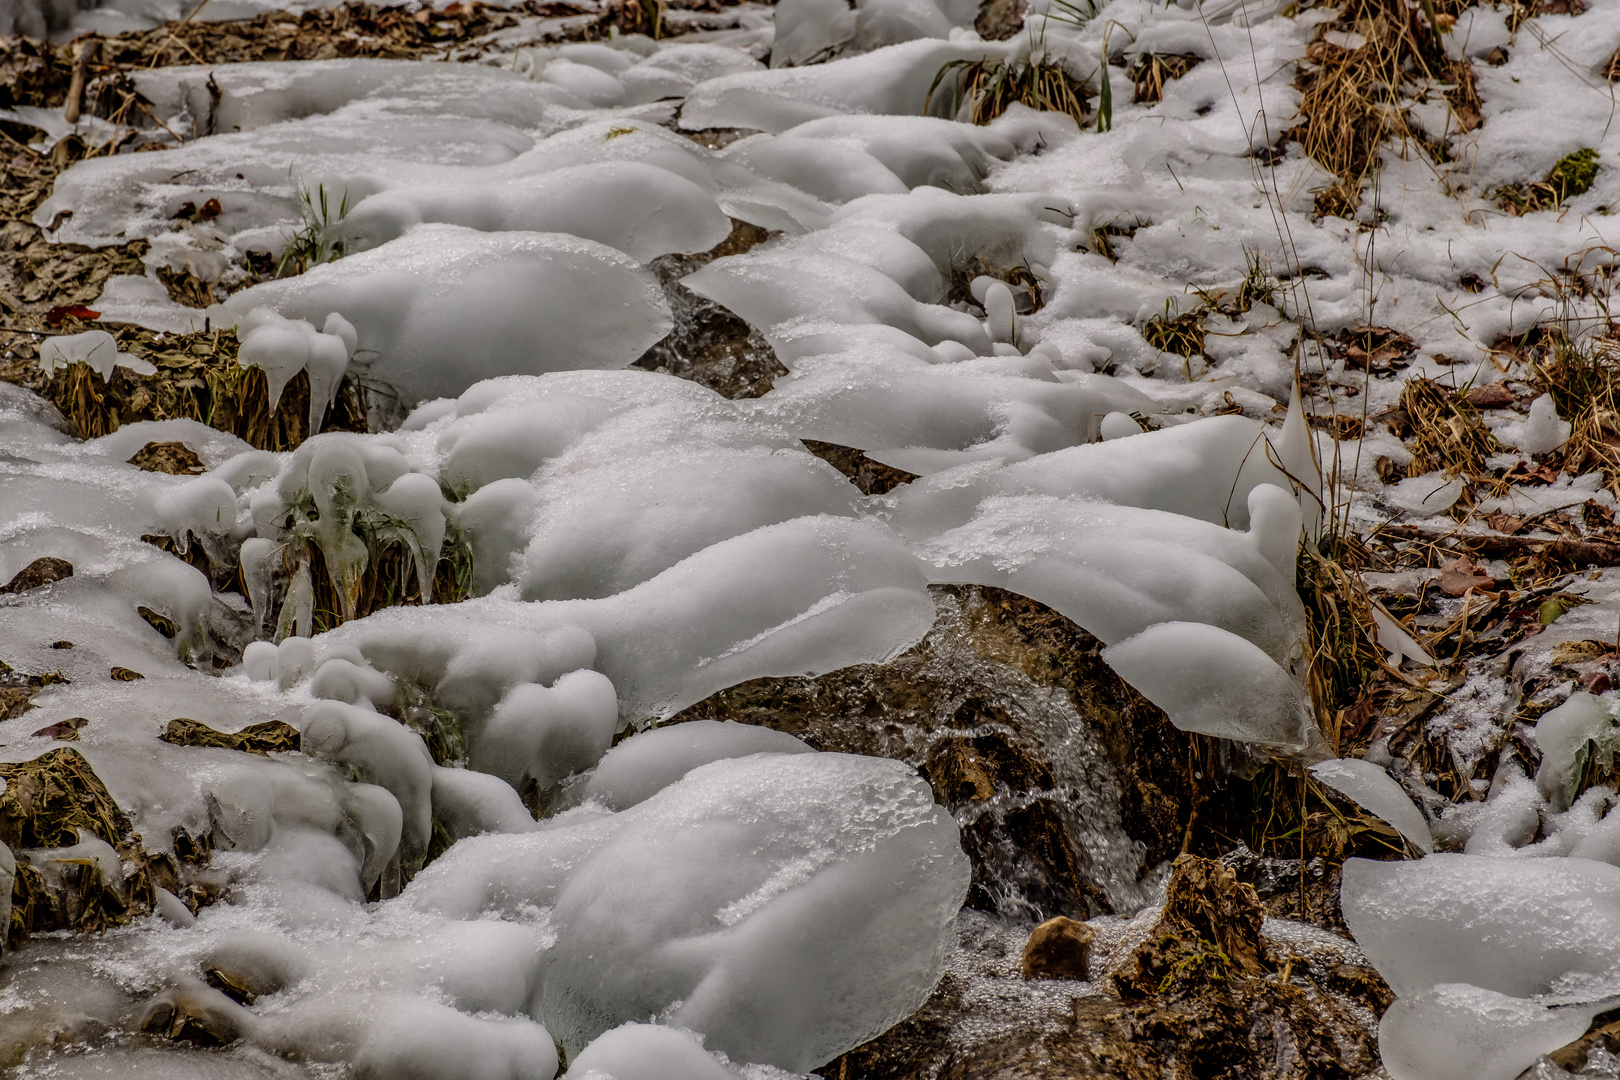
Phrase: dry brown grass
(1181, 334)
(1446, 433)
(1352, 97)
(388, 579)
(1584, 381)
(1343, 659)
(1151, 71)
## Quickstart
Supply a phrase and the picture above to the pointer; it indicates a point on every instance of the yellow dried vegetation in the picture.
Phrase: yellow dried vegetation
(1354, 83)
(197, 378)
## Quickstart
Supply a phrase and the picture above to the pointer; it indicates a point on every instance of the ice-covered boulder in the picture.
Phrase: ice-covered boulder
(646, 1052)
(1116, 570)
(639, 209)
(829, 923)
(443, 307)
(893, 80)
(926, 419)
(802, 597)
(220, 98)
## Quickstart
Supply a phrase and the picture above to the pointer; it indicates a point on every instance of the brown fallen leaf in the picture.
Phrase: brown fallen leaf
(62, 311)
(1460, 575)
(1496, 395)
(63, 730)
(1504, 523)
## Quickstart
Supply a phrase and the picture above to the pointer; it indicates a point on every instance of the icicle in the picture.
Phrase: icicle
(998, 310)
(1295, 451)
(337, 482)
(298, 610)
(328, 360)
(414, 500)
(330, 351)
(280, 349)
(1275, 524)
(258, 559)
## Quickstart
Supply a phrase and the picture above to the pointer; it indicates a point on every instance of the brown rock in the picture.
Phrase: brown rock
(124, 674)
(18, 689)
(174, 458)
(37, 574)
(196, 1013)
(968, 707)
(1059, 948)
(872, 477)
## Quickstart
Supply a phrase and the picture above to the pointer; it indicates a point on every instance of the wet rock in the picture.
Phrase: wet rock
(1290, 889)
(272, 736)
(37, 574)
(1314, 1018)
(174, 458)
(872, 477)
(1059, 948)
(999, 20)
(709, 344)
(1022, 760)
(196, 1013)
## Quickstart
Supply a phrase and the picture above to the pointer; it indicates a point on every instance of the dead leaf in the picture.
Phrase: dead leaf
(1461, 575)
(1493, 396)
(63, 311)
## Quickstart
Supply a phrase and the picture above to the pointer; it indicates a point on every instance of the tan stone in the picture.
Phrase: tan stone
(1059, 948)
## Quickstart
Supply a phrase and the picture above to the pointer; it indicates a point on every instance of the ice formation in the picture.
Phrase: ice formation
(633, 543)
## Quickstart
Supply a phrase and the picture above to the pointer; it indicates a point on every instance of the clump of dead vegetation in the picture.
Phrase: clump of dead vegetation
(1377, 350)
(1181, 334)
(1038, 80)
(1356, 82)
(1583, 379)
(990, 86)
(198, 378)
(1342, 656)
(315, 594)
(48, 803)
(1151, 71)
(1445, 431)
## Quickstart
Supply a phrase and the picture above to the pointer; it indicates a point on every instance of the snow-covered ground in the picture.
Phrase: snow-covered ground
(639, 542)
